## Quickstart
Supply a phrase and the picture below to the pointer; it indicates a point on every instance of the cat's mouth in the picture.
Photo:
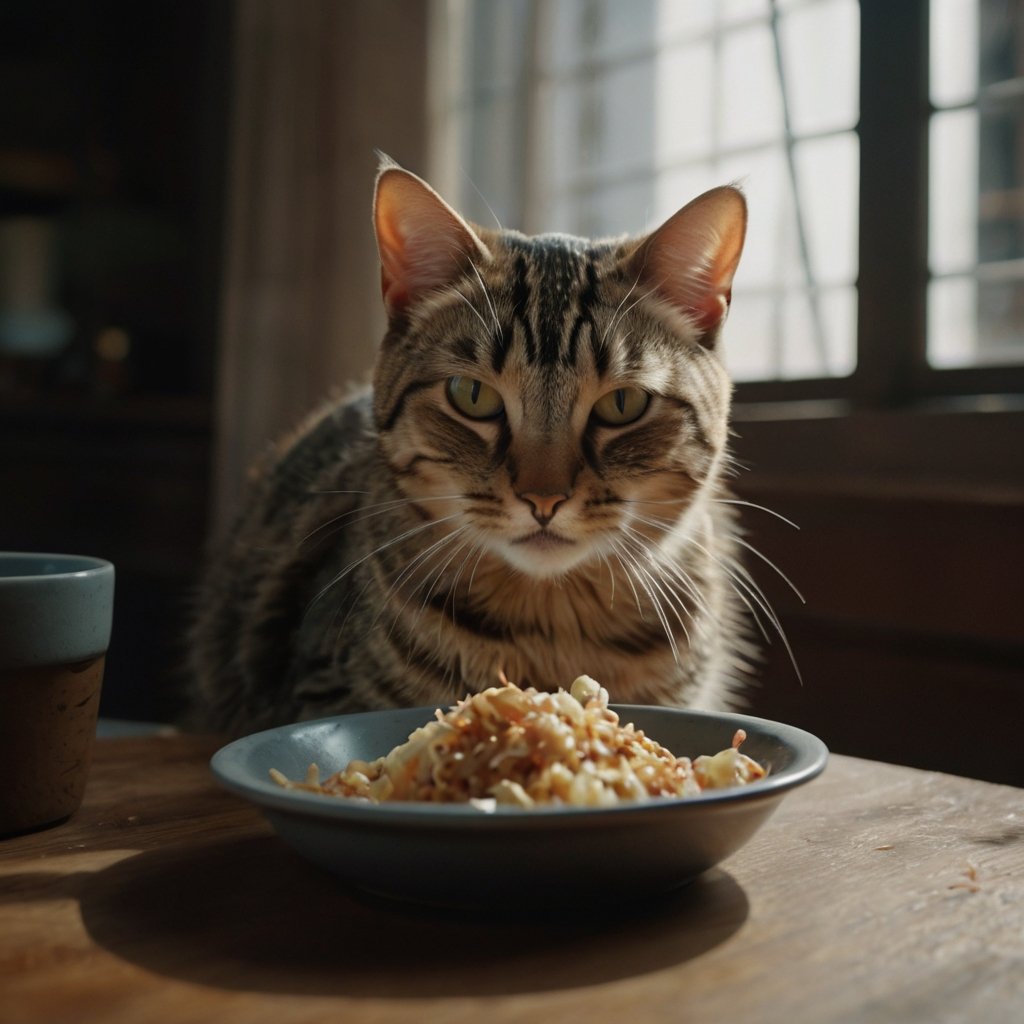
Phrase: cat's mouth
(544, 554)
(543, 539)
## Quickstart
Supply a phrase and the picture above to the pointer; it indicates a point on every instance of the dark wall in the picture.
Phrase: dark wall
(112, 124)
(909, 556)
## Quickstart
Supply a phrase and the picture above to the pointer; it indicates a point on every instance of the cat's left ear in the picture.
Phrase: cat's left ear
(691, 259)
(423, 243)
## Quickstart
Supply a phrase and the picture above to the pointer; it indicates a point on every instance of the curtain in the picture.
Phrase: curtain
(318, 85)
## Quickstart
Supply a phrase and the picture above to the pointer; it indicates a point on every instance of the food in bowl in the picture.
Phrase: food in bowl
(508, 746)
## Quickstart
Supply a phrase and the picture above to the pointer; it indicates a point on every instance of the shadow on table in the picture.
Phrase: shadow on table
(250, 915)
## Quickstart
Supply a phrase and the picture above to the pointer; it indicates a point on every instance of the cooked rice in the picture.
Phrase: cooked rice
(525, 747)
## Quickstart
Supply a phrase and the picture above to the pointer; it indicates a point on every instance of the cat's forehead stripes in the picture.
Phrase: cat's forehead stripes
(552, 289)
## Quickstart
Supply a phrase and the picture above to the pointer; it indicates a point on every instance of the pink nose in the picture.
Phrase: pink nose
(544, 506)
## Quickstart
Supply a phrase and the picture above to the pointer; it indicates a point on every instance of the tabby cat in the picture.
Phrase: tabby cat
(533, 486)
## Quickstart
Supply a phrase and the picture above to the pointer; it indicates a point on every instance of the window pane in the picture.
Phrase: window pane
(771, 256)
(748, 87)
(1001, 185)
(592, 129)
(976, 218)
(975, 323)
(752, 334)
(953, 228)
(684, 106)
(611, 210)
(594, 30)
(792, 334)
(953, 320)
(1000, 43)
(742, 10)
(676, 186)
(684, 20)
(818, 328)
(821, 47)
(828, 176)
(954, 51)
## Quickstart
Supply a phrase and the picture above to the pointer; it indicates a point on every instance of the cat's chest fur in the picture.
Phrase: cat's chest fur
(532, 489)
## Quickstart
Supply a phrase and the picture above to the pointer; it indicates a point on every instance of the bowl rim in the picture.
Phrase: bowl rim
(228, 765)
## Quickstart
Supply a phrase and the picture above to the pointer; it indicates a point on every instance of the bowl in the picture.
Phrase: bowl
(455, 855)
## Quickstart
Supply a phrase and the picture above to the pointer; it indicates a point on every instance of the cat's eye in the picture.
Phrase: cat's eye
(474, 398)
(621, 406)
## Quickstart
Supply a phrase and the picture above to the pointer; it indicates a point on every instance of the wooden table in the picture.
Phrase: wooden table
(876, 893)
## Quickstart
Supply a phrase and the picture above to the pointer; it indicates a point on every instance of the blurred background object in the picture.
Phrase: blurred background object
(187, 265)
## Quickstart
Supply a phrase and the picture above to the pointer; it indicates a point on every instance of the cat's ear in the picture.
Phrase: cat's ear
(691, 259)
(423, 243)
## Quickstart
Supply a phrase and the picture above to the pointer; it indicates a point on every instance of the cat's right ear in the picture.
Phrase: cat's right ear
(690, 261)
(423, 243)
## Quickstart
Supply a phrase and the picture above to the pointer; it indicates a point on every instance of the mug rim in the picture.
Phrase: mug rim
(76, 566)
(56, 617)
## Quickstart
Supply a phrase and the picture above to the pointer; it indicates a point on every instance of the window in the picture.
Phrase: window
(976, 205)
(886, 253)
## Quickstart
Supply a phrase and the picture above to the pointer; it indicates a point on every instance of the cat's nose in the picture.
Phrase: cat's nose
(544, 506)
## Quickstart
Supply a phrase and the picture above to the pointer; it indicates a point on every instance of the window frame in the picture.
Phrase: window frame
(892, 370)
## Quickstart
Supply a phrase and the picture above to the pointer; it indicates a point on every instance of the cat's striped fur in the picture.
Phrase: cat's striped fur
(397, 550)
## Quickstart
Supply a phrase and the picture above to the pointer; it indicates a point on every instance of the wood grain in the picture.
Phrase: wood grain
(876, 893)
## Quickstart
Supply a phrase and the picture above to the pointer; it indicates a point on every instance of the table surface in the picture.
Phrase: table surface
(875, 893)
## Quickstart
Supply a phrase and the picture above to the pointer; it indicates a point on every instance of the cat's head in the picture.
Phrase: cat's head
(561, 400)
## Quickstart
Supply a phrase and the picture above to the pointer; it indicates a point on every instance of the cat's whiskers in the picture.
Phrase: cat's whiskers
(673, 569)
(356, 598)
(657, 521)
(418, 562)
(432, 575)
(474, 546)
(754, 603)
(366, 512)
(747, 545)
(664, 521)
(619, 312)
(476, 565)
(355, 563)
(731, 466)
(616, 543)
(628, 564)
(759, 508)
(742, 581)
(764, 558)
(478, 547)
(476, 312)
(437, 576)
(640, 542)
(487, 299)
(481, 548)
(611, 579)
(647, 584)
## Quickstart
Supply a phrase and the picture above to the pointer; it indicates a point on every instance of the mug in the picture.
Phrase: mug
(56, 613)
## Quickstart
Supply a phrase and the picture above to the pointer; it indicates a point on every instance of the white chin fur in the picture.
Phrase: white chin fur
(547, 562)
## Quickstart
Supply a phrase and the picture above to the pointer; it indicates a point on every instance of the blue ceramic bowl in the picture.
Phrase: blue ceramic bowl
(458, 856)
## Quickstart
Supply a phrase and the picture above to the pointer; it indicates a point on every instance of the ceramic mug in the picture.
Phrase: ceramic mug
(56, 613)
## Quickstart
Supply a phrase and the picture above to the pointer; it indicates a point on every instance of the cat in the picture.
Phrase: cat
(533, 487)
